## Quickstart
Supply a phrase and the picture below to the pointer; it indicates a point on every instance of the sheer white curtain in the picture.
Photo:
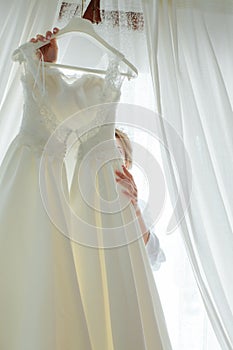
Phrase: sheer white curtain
(33, 17)
(191, 52)
(21, 19)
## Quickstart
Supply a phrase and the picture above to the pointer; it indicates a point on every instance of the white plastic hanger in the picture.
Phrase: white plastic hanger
(85, 27)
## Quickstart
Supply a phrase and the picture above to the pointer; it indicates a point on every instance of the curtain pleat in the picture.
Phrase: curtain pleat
(190, 50)
(21, 21)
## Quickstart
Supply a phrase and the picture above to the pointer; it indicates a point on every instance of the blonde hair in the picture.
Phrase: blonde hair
(126, 144)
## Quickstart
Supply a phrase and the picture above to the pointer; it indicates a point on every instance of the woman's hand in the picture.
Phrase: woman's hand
(49, 51)
(126, 179)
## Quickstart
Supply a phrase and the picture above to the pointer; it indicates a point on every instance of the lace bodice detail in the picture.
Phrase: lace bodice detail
(51, 98)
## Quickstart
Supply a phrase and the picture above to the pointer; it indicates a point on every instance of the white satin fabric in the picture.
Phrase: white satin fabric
(60, 289)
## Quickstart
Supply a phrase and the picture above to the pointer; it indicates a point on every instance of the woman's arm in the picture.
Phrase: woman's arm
(155, 253)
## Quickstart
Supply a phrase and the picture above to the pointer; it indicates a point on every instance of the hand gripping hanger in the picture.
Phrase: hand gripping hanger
(85, 27)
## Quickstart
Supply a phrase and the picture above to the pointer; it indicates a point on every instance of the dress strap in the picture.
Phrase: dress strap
(27, 54)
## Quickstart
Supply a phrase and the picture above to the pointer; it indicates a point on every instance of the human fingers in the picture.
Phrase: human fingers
(125, 182)
(48, 35)
(55, 30)
(129, 175)
(129, 186)
(36, 39)
(126, 172)
(40, 37)
(120, 174)
(132, 198)
(130, 190)
(126, 177)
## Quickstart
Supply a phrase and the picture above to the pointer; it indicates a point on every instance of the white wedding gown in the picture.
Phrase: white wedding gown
(74, 276)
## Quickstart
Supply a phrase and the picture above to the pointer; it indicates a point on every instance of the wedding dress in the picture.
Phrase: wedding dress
(74, 275)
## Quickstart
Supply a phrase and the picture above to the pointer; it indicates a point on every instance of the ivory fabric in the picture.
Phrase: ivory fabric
(69, 286)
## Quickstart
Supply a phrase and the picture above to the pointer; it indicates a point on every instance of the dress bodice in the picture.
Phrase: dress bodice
(54, 101)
